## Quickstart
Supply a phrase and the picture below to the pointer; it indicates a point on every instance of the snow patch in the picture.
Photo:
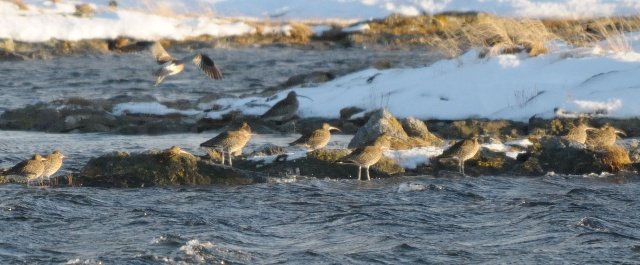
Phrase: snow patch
(151, 108)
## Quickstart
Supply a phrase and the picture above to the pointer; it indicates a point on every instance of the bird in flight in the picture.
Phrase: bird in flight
(173, 66)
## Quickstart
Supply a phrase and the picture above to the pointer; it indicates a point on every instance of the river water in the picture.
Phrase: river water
(405, 220)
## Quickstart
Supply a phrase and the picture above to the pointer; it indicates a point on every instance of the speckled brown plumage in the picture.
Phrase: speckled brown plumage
(578, 133)
(368, 155)
(603, 137)
(28, 169)
(462, 150)
(316, 139)
(284, 110)
(52, 163)
(230, 141)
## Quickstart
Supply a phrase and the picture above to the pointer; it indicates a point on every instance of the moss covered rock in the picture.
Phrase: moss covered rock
(165, 168)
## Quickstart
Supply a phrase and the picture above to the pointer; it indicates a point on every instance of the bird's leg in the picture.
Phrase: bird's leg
(368, 178)
(462, 166)
(359, 172)
(222, 157)
(230, 162)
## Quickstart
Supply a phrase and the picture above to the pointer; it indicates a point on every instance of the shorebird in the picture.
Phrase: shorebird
(462, 151)
(283, 110)
(173, 66)
(230, 141)
(578, 133)
(316, 139)
(603, 137)
(28, 169)
(368, 155)
(52, 164)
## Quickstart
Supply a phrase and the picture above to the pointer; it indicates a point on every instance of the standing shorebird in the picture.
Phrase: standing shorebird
(316, 139)
(284, 110)
(28, 169)
(230, 141)
(462, 151)
(603, 137)
(173, 66)
(52, 164)
(578, 133)
(368, 155)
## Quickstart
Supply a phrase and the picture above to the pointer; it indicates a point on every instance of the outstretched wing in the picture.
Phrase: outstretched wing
(160, 54)
(207, 66)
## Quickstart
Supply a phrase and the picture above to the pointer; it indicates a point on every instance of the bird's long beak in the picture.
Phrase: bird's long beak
(621, 132)
(305, 97)
(334, 128)
(591, 128)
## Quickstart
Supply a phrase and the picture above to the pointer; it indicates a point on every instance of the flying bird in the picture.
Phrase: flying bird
(173, 66)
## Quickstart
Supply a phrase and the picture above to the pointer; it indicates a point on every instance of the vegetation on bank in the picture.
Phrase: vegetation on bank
(449, 33)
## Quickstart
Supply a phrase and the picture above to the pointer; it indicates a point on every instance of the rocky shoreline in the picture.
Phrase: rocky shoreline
(548, 153)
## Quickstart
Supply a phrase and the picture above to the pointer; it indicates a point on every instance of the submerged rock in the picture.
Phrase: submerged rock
(322, 163)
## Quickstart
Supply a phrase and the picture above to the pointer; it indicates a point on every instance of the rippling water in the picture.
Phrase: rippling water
(393, 221)
(246, 70)
(404, 220)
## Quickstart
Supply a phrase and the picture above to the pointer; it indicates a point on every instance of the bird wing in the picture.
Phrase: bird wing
(453, 151)
(160, 54)
(302, 140)
(283, 107)
(216, 141)
(207, 66)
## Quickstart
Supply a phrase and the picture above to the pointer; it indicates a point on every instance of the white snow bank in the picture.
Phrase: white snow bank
(411, 159)
(152, 108)
(363, 9)
(513, 87)
(43, 25)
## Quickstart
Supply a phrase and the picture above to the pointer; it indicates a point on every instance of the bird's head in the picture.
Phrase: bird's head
(328, 127)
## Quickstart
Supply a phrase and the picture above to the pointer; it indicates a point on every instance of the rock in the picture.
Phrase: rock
(39, 117)
(485, 162)
(566, 157)
(382, 121)
(417, 128)
(11, 56)
(310, 78)
(153, 168)
(321, 164)
(346, 113)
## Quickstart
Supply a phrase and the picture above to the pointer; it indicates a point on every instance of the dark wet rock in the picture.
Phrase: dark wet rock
(347, 112)
(321, 163)
(268, 150)
(12, 56)
(556, 154)
(484, 163)
(38, 117)
(382, 121)
(159, 168)
(308, 79)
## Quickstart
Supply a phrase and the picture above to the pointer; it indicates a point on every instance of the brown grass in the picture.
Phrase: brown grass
(454, 33)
